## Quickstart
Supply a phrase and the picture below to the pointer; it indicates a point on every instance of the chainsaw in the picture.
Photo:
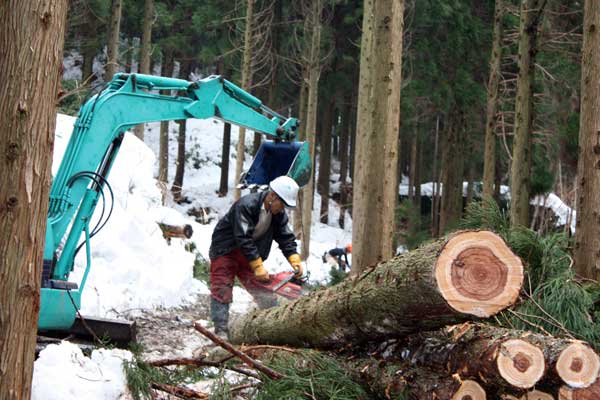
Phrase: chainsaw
(284, 284)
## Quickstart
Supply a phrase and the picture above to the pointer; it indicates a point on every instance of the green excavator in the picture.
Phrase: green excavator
(81, 180)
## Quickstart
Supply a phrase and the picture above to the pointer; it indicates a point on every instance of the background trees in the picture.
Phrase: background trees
(462, 116)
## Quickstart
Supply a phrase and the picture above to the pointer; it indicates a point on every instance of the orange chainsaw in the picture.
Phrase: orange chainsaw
(284, 284)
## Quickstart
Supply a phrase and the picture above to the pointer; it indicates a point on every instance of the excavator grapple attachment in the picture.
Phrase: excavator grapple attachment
(274, 159)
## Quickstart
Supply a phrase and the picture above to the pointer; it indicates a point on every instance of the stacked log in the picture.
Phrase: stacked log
(419, 303)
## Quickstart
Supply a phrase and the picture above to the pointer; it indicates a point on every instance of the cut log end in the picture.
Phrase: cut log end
(537, 395)
(520, 363)
(578, 365)
(469, 390)
(478, 274)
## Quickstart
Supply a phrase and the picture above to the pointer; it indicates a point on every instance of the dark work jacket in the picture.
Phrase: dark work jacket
(235, 230)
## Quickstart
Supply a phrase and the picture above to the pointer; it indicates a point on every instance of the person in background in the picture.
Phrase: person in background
(241, 242)
(338, 256)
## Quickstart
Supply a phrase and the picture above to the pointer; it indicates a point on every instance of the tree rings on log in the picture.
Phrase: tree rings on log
(520, 363)
(478, 274)
(578, 365)
(469, 390)
(537, 395)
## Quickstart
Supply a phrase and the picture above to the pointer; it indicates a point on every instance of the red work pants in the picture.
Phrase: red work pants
(224, 270)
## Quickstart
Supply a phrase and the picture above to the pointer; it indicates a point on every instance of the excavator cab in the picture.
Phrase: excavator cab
(274, 159)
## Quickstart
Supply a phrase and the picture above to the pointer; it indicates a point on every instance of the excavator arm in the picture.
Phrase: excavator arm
(128, 100)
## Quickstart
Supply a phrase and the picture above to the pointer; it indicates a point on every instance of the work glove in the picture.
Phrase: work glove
(260, 273)
(294, 261)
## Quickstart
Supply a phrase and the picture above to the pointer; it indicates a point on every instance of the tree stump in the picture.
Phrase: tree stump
(472, 274)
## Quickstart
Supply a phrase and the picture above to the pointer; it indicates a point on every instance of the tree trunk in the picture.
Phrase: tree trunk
(177, 187)
(452, 174)
(471, 274)
(302, 101)
(435, 203)
(520, 175)
(112, 47)
(587, 237)
(314, 74)
(325, 159)
(489, 157)
(223, 186)
(163, 151)
(145, 51)
(375, 191)
(31, 51)
(344, 135)
(246, 82)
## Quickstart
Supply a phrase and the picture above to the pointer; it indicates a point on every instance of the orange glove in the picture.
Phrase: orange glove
(259, 270)
(294, 261)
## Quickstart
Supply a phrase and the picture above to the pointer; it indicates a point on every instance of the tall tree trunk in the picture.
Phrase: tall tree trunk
(435, 203)
(146, 46)
(302, 101)
(177, 186)
(375, 191)
(163, 151)
(489, 157)
(246, 82)
(452, 173)
(112, 47)
(344, 136)
(520, 175)
(325, 159)
(31, 46)
(87, 67)
(471, 274)
(587, 236)
(314, 74)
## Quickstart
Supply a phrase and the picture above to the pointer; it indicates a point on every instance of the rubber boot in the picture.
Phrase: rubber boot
(219, 314)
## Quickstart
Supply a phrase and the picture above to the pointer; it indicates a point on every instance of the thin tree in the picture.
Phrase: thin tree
(375, 174)
(163, 150)
(112, 46)
(520, 176)
(246, 82)
(587, 237)
(145, 51)
(28, 116)
(489, 158)
(177, 187)
(325, 158)
(313, 24)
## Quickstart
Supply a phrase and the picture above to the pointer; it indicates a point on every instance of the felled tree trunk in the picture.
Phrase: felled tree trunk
(472, 274)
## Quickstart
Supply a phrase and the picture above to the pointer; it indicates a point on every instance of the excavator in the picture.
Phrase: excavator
(81, 180)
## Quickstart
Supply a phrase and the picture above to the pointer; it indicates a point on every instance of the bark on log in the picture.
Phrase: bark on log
(472, 274)
(397, 380)
(497, 356)
(591, 392)
(176, 231)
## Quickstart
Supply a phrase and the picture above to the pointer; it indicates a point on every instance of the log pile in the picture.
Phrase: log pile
(414, 323)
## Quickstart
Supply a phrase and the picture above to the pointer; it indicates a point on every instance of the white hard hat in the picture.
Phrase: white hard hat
(286, 188)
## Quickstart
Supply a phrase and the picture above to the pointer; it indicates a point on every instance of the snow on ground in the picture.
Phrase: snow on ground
(133, 267)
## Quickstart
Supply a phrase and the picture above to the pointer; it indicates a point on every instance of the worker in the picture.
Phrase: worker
(338, 256)
(241, 242)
